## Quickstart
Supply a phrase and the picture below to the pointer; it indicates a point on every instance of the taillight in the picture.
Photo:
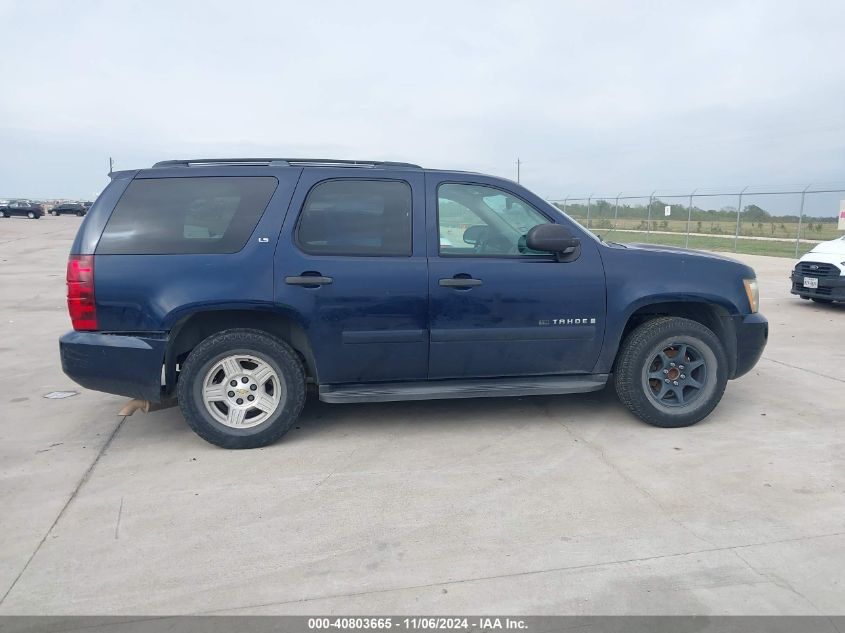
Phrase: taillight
(80, 292)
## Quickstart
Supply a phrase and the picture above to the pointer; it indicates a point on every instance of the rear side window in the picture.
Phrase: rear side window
(164, 216)
(357, 217)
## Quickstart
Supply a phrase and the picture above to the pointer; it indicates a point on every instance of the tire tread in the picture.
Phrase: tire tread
(249, 339)
(628, 366)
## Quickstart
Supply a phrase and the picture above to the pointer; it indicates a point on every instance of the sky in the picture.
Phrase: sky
(593, 97)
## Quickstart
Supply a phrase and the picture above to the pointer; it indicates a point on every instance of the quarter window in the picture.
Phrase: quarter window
(480, 221)
(163, 216)
(357, 217)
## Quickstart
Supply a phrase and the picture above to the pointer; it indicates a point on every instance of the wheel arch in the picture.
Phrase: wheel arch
(714, 315)
(193, 328)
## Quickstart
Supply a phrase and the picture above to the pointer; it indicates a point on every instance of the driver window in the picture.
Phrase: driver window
(479, 221)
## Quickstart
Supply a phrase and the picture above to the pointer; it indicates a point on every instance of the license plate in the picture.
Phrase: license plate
(811, 282)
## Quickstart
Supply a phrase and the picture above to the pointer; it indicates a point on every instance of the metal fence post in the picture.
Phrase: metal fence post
(648, 221)
(616, 211)
(589, 200)
(800, 219)
(565, 200)
(689, 216)
(738, 211)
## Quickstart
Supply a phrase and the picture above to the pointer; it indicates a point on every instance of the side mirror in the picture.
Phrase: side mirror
(475, 234)
(552, 238)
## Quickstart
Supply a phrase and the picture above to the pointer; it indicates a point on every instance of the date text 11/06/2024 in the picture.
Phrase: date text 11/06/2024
(418, 623)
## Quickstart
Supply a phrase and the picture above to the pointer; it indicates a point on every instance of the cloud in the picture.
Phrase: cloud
(592, 96)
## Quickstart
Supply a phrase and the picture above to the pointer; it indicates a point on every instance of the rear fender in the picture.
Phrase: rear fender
(192, 327)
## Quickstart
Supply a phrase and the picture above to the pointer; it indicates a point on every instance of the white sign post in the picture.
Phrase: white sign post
(667, 210)
(842, 215)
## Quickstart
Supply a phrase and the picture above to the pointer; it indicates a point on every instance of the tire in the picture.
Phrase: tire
(30, 215)
(647, 352)
(818, 300)
(54, 213)
(205, 371)
(2, 214)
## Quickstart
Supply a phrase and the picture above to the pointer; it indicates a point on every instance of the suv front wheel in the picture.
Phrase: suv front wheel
(241, 389)
(671, 372)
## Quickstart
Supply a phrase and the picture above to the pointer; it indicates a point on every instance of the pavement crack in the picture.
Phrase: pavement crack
(117, 524)
(327, 477)
(809, 371)
(524, 573)
(599, 452)
(776, 580)
(82, 481)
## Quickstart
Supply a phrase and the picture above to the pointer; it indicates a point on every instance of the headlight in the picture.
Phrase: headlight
(753, 292)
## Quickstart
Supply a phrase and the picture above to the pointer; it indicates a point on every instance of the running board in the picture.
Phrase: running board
(445, 389)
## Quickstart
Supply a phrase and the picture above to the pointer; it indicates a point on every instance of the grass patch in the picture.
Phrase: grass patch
(750, 247)
(811, 229)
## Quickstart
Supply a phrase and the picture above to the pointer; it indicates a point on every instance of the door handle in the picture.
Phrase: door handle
(459, 282)
(308, 280)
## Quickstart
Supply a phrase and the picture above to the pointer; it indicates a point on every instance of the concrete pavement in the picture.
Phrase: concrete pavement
(547, 505)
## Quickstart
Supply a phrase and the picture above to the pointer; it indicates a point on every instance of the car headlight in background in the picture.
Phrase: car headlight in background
(753, 292)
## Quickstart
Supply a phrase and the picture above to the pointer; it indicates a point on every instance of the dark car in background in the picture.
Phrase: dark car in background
(23, 208)
(71, 208)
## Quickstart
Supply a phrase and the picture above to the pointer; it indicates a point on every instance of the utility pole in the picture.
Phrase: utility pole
(801, 219)
(738, 211)
(111, 165)
(689, 216)
(518, 165)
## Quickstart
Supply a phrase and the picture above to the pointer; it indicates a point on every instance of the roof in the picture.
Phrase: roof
(285, 162)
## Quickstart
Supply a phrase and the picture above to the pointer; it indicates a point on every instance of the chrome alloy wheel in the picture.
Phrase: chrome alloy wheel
(242, 391)
(676, 375)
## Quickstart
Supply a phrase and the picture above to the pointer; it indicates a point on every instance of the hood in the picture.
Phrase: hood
(830, 257)
(832, 247)
(678, 250)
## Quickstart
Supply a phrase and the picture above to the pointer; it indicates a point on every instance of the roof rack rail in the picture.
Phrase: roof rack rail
(284, 162)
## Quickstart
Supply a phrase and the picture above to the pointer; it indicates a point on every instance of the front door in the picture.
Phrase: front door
(351, 263)
(497, 308)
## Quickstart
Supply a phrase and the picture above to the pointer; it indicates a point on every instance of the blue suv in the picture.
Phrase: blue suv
(228, 285)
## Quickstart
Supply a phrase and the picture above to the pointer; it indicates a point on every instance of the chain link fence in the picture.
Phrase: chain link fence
(785, 221)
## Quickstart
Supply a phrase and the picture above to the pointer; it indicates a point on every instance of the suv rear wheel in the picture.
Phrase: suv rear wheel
(671, 372)
(241, 389)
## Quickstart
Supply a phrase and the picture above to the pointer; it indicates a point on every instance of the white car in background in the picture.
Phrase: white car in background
(820, 274)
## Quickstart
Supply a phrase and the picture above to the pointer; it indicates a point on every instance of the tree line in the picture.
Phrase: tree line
(750, 213)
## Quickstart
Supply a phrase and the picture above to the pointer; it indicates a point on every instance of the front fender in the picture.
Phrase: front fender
(638, 278)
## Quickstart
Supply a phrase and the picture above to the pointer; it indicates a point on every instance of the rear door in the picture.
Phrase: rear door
(351, 261)
(497, 308)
